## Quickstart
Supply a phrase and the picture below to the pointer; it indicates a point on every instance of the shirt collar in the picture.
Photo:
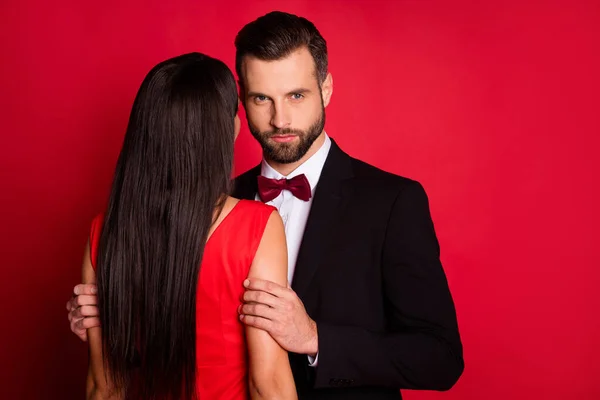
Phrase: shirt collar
(311, 168)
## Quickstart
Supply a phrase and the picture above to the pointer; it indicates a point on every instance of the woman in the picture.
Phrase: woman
(172, 251)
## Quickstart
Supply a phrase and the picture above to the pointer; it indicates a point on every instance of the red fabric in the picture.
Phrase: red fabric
(221, 346)
(268, 189)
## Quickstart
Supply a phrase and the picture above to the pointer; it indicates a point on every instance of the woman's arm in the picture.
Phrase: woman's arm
(270, 374)
(98, 385)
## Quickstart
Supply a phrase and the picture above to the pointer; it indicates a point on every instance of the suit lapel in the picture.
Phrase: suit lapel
(246, 185)
(328, 203)
(329, 199)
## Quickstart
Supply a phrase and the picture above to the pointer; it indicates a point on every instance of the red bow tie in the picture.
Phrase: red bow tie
(268, 189)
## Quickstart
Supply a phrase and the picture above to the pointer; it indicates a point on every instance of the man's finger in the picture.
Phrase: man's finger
(75, 314)
(89, 311)
(75, 327)
(265, 286)
(258, 310)
(257, 322)
(85, 288)
(85, 311)
(256, 296)
(91, 322)
(72, 303)
(86, 323)
(83, 300)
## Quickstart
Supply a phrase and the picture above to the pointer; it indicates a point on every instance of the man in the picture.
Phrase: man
(369, 311)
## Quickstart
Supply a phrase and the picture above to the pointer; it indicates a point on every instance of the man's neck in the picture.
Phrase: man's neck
(286, 169)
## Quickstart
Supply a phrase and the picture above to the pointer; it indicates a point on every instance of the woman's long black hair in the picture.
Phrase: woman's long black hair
(173, 171)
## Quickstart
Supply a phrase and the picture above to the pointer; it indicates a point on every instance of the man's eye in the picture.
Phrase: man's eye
(297, 96)
(261, 98)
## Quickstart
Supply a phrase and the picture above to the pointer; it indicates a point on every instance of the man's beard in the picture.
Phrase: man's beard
(287, 153)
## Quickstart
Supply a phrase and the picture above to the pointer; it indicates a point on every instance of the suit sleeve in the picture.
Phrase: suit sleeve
(421, 349)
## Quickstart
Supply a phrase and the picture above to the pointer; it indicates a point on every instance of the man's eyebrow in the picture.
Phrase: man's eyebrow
(299, 91)
(295, 91)
(255, 94)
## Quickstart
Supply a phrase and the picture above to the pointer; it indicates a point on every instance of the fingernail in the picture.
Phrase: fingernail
(246, 283)
(242, 316)
(239, 309)
(94, 290)
(76, 290)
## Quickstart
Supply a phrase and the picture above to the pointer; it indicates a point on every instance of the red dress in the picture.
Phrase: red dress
(220, 341)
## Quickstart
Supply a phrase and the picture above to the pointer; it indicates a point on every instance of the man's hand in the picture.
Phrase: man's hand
(279, 311)
(83, 310)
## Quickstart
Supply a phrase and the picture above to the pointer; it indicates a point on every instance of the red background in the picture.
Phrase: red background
(493, 106)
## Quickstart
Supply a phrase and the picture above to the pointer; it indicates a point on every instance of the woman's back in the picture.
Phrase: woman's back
(221, 348)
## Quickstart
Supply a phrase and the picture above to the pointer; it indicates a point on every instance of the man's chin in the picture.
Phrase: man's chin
(284, 160)
(288, 156)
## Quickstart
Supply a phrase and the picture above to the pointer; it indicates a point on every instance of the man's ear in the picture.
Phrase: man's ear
(327, 89)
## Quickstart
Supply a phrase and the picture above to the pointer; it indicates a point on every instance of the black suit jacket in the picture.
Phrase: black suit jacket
(369, 274)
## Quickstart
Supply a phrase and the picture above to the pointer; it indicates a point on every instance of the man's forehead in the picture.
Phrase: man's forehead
(289, 72)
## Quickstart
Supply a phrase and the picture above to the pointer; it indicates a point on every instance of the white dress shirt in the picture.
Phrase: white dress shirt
(294, 211)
